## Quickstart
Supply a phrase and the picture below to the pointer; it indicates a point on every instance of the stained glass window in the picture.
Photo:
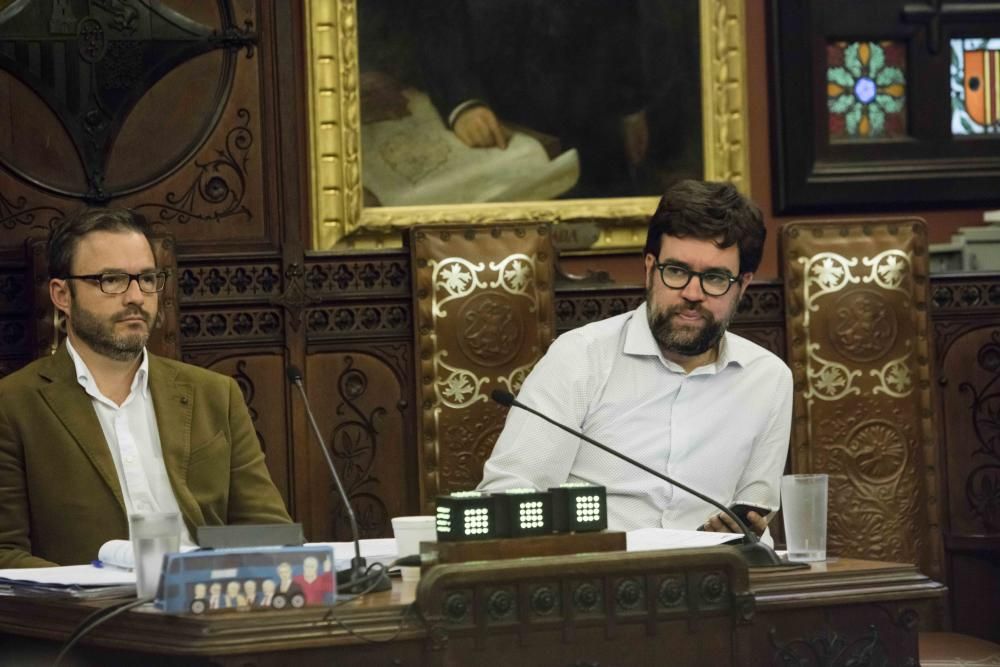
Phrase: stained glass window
(975, 86)
(866, 90)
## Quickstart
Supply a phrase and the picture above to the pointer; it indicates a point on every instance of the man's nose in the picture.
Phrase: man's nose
(693, 291)
(133, 294)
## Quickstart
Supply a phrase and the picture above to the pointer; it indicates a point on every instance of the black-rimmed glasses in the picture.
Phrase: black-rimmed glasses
(149, 282)
(713, 283)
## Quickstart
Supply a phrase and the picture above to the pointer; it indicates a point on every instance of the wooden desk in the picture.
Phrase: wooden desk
(842, 607)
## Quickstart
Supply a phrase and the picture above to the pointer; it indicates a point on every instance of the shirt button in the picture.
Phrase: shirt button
(129, 459)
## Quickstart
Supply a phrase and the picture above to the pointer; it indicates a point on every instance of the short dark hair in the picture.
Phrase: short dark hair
(66, 234)
(709, 210)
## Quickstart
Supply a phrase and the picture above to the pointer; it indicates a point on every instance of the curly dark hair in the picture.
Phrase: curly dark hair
(710, 211)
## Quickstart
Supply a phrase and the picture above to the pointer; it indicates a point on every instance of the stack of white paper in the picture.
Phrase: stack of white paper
(76, 581)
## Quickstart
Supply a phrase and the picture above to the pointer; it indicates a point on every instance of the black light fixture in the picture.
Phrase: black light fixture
(524, 512)
(466, 515)
(579, 507)
(475, 515)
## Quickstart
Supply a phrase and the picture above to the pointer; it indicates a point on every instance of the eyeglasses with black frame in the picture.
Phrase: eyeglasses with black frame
(116, 282)
(713, 283)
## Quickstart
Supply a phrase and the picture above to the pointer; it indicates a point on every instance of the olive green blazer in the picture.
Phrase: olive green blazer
(60, 498)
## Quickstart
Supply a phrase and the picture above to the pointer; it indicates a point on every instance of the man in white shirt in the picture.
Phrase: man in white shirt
(665, 384)
(102, 428)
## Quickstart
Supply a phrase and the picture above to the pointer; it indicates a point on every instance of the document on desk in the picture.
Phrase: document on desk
(648, 539)
(77, 581)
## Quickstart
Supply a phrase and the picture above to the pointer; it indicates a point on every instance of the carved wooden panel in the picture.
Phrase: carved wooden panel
(483, 317)
(966, 318)
(590, 610)
(969, 387)
(363, 413)
(860, 635)
(109, 97)
(858, 333)
(16, 336)
(221, 282)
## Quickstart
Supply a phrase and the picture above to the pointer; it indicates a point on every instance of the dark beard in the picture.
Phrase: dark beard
(99, 336)
(678, 339)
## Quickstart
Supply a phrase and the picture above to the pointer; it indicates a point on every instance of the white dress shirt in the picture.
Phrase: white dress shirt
(722, 429)
(133, 438)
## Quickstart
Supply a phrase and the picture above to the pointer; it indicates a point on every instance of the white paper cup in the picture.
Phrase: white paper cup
(153, 535)
(409, 532)
(803, 504)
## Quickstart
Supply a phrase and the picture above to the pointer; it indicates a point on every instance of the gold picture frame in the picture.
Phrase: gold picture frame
(340, 220)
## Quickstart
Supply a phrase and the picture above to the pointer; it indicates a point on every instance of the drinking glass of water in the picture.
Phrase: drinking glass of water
(153, 534)
(803, 504)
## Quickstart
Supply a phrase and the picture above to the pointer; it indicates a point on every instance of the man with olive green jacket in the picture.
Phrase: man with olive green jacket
(103, 428)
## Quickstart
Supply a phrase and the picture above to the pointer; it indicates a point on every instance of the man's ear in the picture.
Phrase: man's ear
(650, 262)
(745, 280)
(61, 294)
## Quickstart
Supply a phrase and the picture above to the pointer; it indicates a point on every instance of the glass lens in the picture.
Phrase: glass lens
(675, 276)
(114, 283)
(151, 281)
(715, 283)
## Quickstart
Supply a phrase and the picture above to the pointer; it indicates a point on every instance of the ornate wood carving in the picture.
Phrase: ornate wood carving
(219, 283)
(230, 325)
(970, 396)
(859, 354)
(17, 342)
(218, 188)
(362, 410)
(553, 611)
(483, 317)
(358, 275)
(831, 649)
(91, 70)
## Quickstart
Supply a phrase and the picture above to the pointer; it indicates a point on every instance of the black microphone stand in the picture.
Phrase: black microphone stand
(755, 552)
(354, 578)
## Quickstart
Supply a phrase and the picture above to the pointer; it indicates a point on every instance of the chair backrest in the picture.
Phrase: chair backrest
(857, 325)
(483, 316)
(50, 326)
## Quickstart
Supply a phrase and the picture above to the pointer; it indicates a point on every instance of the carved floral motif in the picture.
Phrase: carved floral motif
(874, 464)
(353, 445)
(982, 486)
(830, 649)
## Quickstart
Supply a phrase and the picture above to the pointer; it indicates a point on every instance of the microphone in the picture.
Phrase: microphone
(756, 553)
(355, 578)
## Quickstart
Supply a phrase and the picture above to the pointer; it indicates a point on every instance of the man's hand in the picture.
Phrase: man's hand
(478, 127)
(721, 523)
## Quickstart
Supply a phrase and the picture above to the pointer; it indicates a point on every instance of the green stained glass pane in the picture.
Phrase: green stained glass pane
(866, 90)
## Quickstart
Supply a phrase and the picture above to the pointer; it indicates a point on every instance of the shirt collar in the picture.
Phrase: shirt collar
(86, 378)
(639, 341)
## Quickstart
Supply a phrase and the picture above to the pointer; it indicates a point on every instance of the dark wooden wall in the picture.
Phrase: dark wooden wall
(253, 301)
